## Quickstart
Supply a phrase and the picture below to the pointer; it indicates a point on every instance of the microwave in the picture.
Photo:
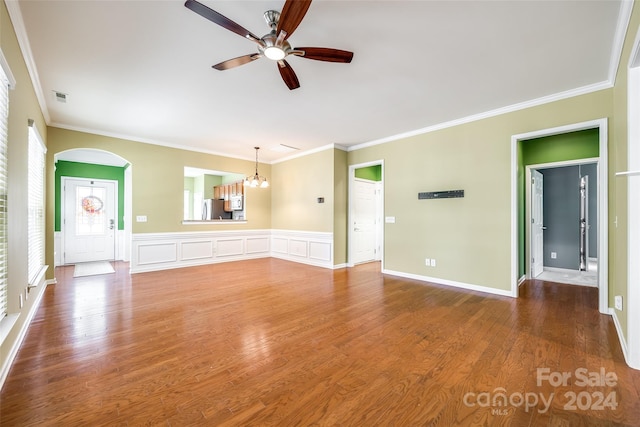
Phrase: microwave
(236, 203)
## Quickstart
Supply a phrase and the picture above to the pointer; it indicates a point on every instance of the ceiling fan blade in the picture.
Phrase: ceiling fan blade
(235, 62)
(221, 20)
(289, 77)
(291, 16)
(326, 54)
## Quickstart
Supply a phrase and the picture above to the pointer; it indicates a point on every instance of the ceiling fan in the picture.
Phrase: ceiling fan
(273, 45)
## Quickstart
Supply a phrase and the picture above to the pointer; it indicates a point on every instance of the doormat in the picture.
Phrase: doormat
(93, 268)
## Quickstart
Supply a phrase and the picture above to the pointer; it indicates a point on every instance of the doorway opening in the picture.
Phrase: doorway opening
(366, 209)
(92, 209)
(520, 257)
(562, 215)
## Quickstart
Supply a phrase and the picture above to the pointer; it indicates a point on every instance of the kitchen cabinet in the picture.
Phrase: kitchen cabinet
(226, 191)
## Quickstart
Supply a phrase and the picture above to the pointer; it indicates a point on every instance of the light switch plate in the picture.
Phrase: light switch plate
(141, 218)
(390, 219)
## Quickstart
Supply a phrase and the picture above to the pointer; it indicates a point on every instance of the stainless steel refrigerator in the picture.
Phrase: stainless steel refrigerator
(214, 209)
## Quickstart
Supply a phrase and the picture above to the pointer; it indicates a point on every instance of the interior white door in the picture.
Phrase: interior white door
(537, 224)
(364, 221)
(89, 220)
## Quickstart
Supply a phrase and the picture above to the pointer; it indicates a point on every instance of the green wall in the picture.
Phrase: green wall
(372, 173)
(558, 148)
(88, 170)
(582, 144)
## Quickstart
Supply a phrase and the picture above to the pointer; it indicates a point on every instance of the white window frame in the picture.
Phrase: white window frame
(7, 82)
(35, 196)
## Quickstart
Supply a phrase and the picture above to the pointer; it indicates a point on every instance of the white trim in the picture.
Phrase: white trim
(488, 114)
(162, 251)
(624, 16)
(350, 237)
(149, 141)
(33, 128)
(603, 197)
(15, 14)
(7, 70)
(452, 283)
(6, 324)
(13, 351)
(632, 305)
(621, 338)
(628, 173)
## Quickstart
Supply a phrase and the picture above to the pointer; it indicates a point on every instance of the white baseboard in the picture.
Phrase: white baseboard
(522, 279)
(452, 283)
(623, 341)
(15, 346)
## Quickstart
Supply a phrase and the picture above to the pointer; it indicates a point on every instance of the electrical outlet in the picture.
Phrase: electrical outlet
(617, 302)
(554, 255)
(427, 262)
(433, 262)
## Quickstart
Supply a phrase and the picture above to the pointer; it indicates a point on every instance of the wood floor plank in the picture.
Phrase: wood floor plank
(268, 342)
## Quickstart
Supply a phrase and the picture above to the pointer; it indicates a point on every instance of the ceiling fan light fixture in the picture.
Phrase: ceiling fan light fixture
(274, 53)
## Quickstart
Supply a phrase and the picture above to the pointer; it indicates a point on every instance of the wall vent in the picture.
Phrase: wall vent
(60, 96)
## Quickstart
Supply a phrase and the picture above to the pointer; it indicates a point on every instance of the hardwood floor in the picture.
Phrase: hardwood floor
(270, 342)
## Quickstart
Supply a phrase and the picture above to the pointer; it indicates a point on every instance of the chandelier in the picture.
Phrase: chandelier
(256, 180)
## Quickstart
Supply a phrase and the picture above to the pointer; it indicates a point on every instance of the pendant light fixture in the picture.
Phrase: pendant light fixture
(256, 180)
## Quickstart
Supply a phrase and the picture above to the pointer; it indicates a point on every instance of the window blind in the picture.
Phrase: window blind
(4, 118)
(35, 196)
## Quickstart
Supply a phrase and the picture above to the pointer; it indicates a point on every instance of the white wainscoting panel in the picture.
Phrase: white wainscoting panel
(230, 247)
(257, 245)
(157, 253)
(320, 251)
(161, 251)
(315, 248)
(298, 247)
(196, 249)
(279, 245)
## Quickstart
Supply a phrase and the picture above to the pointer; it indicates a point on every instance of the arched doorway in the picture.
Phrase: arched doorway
(87, 170)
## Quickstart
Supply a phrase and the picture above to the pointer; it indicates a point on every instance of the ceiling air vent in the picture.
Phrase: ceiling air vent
(282, 148)
(60, 97)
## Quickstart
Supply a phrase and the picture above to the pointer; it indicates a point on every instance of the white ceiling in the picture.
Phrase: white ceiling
(142, 69)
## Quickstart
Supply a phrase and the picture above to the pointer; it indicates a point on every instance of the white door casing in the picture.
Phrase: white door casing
(537, 223)
(380, 210)
(88, 219)
(364, 221)
(602, 217)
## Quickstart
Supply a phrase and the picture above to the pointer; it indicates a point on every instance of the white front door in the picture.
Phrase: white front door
(537, 225)
(89, 220)
(364, 221)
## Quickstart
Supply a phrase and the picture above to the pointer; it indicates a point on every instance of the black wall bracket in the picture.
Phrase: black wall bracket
(449, 194)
